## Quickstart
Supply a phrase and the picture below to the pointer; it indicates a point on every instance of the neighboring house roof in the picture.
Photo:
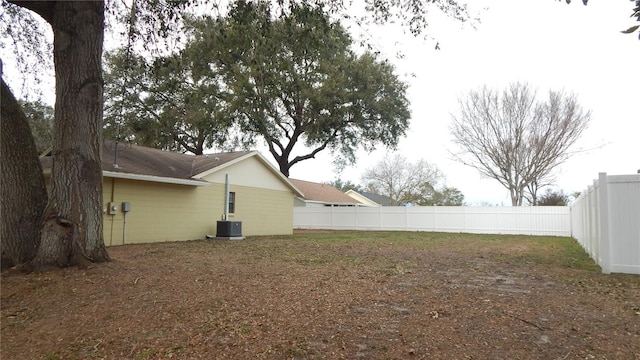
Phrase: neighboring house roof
(363, 199)
(381, 200)
(323, 193)
(148, 164)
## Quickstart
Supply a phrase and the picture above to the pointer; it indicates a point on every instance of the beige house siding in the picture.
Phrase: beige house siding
(165, 212)
(159, 212)
(263, 212)
(248, 172)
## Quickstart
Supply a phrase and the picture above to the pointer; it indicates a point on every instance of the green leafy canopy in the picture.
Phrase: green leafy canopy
(294, 80)
(157, 103)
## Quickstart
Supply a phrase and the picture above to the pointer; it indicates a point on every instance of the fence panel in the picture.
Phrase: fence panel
(547, 220)
(605, 220)
(624, 223)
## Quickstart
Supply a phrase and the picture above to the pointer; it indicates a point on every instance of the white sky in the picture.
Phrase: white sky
(550, 45)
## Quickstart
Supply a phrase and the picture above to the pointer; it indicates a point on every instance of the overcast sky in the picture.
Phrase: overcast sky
(550, 45)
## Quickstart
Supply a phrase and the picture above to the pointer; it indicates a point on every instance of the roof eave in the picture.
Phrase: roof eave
(151, 178)
(330, 202)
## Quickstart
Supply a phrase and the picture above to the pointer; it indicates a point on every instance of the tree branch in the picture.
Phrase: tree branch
(43, 8)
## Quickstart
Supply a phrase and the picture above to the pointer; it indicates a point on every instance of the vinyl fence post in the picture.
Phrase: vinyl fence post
(605, 240)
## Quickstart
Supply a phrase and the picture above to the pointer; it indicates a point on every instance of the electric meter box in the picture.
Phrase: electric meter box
(126, 206)
(112, 208)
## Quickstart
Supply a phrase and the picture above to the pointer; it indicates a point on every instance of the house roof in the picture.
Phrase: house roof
(378, 199)
(148, 164)
(148, 161)
(323, 193)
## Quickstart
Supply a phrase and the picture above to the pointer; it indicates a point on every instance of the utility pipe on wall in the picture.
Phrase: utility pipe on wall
(226, 197)
(124, 226)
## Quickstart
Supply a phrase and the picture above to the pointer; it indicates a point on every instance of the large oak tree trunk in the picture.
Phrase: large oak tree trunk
(72, 232)
(22, 188)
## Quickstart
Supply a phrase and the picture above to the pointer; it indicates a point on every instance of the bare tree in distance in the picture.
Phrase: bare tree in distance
(401, 180)
(512, 137)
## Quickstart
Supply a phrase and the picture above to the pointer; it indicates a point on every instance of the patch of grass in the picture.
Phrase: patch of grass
(52, 356)
(559, 252)
(174, 350)
(398, 268)
(145, 354)
(299, 348)
(553, 251)
(321, 248)
(245, 328)
(383, 347)
(314, 261)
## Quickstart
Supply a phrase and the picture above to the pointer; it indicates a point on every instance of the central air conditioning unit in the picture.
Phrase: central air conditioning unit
(226, 229)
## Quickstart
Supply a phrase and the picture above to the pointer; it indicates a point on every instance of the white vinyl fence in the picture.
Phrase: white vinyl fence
(543, 220)
(605, 220)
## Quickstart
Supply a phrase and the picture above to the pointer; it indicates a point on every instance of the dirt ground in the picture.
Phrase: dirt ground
(334, 295)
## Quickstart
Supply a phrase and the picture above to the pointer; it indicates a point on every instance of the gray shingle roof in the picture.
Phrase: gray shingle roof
(148, 161)
(379, 199)
(140, 160)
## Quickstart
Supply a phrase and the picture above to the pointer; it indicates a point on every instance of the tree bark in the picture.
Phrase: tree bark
(72, 232)
(22, 186)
